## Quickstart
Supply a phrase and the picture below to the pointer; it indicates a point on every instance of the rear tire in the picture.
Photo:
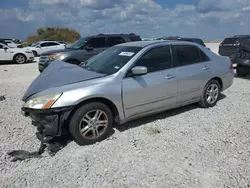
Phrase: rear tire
(20, 58)
(210, 94)
(91, 123)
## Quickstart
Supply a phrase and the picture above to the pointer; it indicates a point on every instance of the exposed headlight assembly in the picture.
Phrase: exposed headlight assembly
(42, 102)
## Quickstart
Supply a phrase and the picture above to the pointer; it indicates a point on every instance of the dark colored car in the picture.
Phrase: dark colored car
(242, 58)
(231, 44)
(85, 48)
(195, 40)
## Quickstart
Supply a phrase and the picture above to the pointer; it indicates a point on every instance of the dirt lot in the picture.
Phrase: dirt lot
(186, 147)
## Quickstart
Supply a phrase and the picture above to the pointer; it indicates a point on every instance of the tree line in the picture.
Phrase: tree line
(54, 33)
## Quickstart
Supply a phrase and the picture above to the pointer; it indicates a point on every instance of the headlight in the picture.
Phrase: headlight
(42, 102)
(55, 56)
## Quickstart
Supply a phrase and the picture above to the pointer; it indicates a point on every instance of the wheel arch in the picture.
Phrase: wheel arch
(105, 101)
(219, 80)
(19, 54)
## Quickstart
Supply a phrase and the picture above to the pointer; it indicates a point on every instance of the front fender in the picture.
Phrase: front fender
(111, 92)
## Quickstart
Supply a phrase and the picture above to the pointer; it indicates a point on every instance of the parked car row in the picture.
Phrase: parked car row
(45, 46)
(84, 48)
(124, 82)
(236, 47)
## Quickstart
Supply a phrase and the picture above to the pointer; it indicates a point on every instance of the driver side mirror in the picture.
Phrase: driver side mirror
(38, 46)
(88, 47)
(5, 48)
(139, 70)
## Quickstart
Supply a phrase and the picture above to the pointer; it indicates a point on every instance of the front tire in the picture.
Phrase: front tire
(20, 58)
(91, 123)
(210, 94)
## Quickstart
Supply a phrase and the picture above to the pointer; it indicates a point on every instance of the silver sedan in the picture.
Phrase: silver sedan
(124, 82)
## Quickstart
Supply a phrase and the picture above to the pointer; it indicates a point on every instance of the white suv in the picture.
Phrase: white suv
(45, 46)
(17, 55)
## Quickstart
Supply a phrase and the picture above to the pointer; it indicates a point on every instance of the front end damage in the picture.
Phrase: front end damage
(52, 131)
(50, 123)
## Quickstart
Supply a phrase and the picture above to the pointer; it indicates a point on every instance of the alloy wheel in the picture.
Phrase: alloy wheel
(93, 124)
(212, 93)
(20, 59)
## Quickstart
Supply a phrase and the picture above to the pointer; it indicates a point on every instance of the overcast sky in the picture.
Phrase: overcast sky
(207, 19)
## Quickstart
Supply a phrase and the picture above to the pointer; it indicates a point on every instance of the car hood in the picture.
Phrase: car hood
(58, 51)
(59, 74)
(29, 48)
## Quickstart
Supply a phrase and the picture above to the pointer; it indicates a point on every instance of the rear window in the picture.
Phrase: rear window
(230, 41)
(134, 38)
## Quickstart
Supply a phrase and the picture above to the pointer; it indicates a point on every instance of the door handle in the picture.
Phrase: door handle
(206, 68)
(169, 77)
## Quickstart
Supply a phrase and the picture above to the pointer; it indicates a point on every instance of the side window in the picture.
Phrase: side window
(134, 38)
(186, 55)
(156, 59)
(52, 44)
(99, 42)
(45, 44)
(204, 57)
(115, 40)
(1, 46)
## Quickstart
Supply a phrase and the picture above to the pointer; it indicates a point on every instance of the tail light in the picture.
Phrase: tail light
(231, 65)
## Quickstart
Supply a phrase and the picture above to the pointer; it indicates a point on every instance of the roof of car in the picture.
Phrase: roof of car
(147, 43)
(43, 41)
(239, 36)
(113, 34)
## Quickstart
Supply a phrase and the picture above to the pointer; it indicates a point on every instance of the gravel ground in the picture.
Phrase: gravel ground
(187, 147)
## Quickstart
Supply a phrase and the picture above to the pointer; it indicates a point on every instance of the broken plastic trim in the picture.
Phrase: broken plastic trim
(51, 132)
(53, 147)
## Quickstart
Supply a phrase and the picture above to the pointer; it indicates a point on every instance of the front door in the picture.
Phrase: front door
(194, 71)
(154, 90)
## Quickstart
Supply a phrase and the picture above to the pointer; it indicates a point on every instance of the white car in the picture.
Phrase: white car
(45, 46)
(17, 55)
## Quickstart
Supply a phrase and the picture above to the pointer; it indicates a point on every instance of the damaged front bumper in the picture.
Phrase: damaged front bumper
(50, 123)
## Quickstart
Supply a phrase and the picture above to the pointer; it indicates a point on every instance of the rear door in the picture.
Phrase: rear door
(194, 71)
(156, 89)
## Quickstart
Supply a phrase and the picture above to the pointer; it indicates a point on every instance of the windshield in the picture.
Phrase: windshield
(34, 44)
(111, 60)
(78, 44)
